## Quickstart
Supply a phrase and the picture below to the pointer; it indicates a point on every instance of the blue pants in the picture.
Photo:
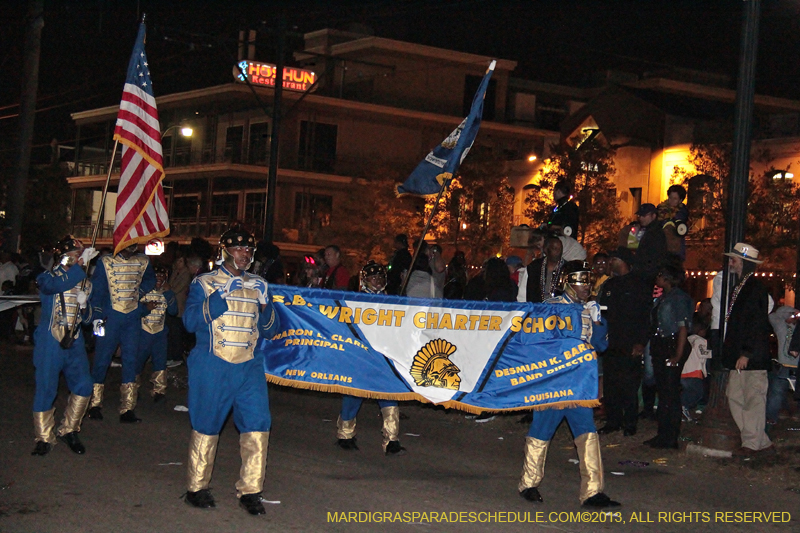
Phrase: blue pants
(545, 423)
(153, 345)
(217, 386)
(692, 390)
(121, 330)
(351, 405)
(50, 360)
(776, 393)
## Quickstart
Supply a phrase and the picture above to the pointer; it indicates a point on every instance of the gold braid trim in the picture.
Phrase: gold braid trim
(406, 396)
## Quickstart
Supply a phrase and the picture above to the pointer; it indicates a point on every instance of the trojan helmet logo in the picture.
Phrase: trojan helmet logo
(432, 366)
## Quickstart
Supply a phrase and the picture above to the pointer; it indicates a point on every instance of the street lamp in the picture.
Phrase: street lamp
(186, 131)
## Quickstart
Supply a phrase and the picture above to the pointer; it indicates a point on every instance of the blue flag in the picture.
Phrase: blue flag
(441, 163)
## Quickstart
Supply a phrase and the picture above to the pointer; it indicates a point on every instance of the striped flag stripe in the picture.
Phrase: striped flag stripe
(141, 208)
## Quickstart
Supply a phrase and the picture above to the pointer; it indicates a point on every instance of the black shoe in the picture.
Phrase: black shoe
(394, 448)
(347, 444)
(647, 414)
(74, 442)
(157, 397)
(95, 413)
(129, 417)
(202, 499)
(650, 442)
(531, 494)
(629, 432)
(252, 503)
(42, 448)
(605, 430)
(526, 419)
(600, 500)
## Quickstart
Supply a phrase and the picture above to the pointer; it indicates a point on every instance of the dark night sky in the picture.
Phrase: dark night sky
(86, 43)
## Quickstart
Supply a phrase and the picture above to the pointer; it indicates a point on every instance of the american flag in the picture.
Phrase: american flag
(141, 210)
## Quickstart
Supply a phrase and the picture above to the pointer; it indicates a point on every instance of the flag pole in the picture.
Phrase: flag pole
(424, 232)
(73, 327)
(105, 194)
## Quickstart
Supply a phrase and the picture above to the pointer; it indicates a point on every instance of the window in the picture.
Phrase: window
(225, 206)
(233, 144)
(254, 208)
(471, 84)
(185, 206)
(312, 211)
(317, 146)
(636, 197)
(177, 150)
(258, 154)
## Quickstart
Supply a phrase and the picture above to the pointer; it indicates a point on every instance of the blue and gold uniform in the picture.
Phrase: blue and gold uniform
(63, 294)
(576, 283)
(153, 340)
(229, 309)
(119, 283)
(373, 281)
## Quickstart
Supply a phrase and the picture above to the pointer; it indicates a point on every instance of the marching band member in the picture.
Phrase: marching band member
(153, 341)
(60, 348)
(119, 282)
(576, 283)
(373, 281)
(229, 309)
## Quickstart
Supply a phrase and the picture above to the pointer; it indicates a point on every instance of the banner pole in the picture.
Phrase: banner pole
(424, 232)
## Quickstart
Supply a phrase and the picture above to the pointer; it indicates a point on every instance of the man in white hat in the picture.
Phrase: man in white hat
(745, 350)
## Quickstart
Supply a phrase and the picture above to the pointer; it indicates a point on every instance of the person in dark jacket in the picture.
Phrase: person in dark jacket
(398, 264)
(652, 251)
(745, 349)
(492, 284)
(670, 322)
(565, 216)
(628, 299)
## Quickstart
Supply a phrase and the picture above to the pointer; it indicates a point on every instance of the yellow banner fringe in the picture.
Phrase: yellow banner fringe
(408, 396)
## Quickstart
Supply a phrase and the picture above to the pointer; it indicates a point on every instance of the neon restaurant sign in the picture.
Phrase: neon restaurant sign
(294, 79)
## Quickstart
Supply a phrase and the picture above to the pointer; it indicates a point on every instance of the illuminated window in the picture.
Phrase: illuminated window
(782, 175)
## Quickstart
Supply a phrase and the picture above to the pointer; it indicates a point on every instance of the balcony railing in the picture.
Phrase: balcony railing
(341, 165)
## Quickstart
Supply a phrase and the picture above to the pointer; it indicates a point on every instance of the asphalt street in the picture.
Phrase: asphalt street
(457, 475)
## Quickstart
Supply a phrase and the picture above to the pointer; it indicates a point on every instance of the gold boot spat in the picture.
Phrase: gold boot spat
(391, 424)
(533, 466)
(159, 381)
(345, 429)
(43, 424)
(128, 395)
(253, 449)
(73, 414)
(588, 446)
(202, 451)
(97, 395)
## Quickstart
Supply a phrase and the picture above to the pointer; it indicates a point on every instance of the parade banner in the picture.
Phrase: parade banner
(473, 356)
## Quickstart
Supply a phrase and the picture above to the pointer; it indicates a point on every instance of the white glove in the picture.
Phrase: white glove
(594, 310)
(88, 254)
(261, 286)
(81, 299)
(234, 284)
(98, 327)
